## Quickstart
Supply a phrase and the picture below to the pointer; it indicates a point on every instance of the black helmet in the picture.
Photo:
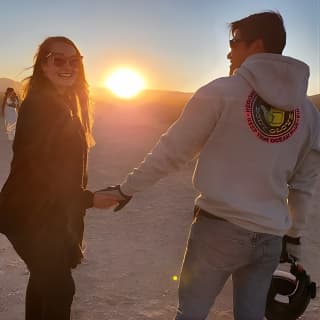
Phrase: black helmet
(289, 294)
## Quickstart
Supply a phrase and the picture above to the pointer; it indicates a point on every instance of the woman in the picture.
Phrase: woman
(9, 108)
(44, 199)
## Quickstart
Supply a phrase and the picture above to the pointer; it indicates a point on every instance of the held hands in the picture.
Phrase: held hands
(109, 197)
(291, 249)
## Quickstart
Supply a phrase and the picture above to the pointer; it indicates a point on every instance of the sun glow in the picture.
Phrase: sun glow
(125, 83)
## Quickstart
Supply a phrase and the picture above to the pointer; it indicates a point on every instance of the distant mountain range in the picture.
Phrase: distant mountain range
(158, 105)
(145, 97)
(6, 83)
(152, 99)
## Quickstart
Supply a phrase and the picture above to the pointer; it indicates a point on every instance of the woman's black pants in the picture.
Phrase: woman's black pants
(51, 287)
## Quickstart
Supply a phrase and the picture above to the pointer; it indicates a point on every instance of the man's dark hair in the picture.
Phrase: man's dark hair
(267, 26)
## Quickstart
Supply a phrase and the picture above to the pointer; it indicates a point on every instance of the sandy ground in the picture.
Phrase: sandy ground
(132, 255)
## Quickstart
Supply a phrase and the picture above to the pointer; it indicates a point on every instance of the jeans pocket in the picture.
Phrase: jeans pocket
(272, 248)
(219, 243)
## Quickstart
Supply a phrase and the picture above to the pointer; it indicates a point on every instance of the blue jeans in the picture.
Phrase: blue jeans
(217, 249)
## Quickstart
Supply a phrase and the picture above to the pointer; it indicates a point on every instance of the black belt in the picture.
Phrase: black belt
(203, 213)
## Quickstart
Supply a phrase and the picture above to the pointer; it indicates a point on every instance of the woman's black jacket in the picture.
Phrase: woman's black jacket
(45, 189)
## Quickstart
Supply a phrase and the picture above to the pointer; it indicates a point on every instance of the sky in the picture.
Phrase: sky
(174, 44)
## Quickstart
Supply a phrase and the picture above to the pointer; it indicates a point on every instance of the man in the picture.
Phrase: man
(257, 139)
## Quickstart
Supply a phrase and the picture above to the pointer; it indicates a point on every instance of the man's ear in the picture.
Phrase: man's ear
(257, 46)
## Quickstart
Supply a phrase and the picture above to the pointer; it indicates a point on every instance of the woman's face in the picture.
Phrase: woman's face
(62, 65)
(11, 95)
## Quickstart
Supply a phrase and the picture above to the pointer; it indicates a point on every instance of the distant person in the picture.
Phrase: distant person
(9, 111)
(43, 201)
(257, 139)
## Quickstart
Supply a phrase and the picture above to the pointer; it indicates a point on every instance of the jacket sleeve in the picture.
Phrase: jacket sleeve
(302, 188)
(182, 142)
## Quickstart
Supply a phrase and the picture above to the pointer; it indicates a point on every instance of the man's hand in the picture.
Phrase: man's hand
(109, 197)
(291, 249)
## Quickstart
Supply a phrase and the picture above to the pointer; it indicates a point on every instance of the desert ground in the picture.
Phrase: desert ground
(131, 256)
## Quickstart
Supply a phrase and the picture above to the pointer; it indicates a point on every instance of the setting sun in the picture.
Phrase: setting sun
(125, 83)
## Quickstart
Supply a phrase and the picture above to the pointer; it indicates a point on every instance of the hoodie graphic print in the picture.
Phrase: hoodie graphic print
(269, 123)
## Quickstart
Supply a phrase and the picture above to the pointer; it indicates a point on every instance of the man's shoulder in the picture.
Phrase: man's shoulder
(217, 86)
(311, 111)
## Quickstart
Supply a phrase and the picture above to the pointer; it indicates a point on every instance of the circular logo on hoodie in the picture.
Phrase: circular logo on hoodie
(268, 123)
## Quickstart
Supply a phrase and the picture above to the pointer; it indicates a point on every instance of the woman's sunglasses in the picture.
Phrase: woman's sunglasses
(59, 61)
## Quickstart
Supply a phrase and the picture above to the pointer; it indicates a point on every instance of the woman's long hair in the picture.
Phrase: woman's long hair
(78, 93)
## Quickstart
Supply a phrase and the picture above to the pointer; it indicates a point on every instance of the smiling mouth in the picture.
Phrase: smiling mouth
(65, 75)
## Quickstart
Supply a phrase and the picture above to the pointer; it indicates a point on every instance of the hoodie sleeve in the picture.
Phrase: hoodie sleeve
(303, 186)
(182, 142)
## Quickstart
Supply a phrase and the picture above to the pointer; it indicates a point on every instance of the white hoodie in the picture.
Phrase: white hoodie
(257, 138)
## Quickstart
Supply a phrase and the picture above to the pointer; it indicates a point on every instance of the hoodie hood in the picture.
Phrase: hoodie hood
(279, 80)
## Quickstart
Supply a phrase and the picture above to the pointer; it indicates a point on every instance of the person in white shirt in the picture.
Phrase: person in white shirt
(9, 112)
(257, 138)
